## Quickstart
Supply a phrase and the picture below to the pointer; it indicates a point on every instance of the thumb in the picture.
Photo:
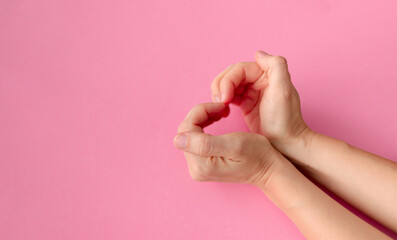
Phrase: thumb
(204, 144)
(275, 67)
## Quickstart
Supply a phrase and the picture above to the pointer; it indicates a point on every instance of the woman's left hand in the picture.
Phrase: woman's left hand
(234, 157)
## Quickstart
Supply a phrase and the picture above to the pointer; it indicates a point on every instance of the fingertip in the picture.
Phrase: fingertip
(223, 97)
(227, 93)
(216, 98)
(261, 53)
(180, 141)
(215, 94)
(261, 58)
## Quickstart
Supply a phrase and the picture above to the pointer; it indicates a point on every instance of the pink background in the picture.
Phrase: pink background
(92, 92)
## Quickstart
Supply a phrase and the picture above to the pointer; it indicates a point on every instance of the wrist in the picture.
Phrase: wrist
(298, 147)
(279, 169)
(264, 178)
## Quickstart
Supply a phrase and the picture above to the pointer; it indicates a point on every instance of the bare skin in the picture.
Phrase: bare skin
(250, 158)
(271, 107)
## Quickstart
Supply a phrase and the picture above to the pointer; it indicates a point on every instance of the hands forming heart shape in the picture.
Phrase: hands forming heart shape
(271, 109)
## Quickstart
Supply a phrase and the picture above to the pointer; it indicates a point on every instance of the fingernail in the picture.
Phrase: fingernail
(262, 53)
(180, 141)
(216, 98)
(223, 97)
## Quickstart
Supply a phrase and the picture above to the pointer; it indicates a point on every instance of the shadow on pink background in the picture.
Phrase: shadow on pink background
(92, 92)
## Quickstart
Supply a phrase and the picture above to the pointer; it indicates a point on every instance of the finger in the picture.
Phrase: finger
(275, 67)
(251, 98)
(240, 89)
(203, 115)
(247, 96)
(215, 84)
(241, 74)
(206, 145)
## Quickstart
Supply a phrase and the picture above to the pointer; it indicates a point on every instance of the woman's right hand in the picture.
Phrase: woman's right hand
(264, 91)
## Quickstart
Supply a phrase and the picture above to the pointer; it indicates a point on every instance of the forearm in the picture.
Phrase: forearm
(315, 214)
(365, 180)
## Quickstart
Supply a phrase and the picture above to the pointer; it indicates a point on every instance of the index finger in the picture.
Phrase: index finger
(203, 115)
(240, 74)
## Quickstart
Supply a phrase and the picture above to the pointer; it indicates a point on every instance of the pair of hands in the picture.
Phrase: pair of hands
(271, 108)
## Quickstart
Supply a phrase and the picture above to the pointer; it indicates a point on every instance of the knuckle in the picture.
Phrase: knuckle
(238, 68)
(206, 145)
(279, 60)
(239, 148)
(200, 106)
(239, 65)
(197, 109)
(286, 94)
(240, 144)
